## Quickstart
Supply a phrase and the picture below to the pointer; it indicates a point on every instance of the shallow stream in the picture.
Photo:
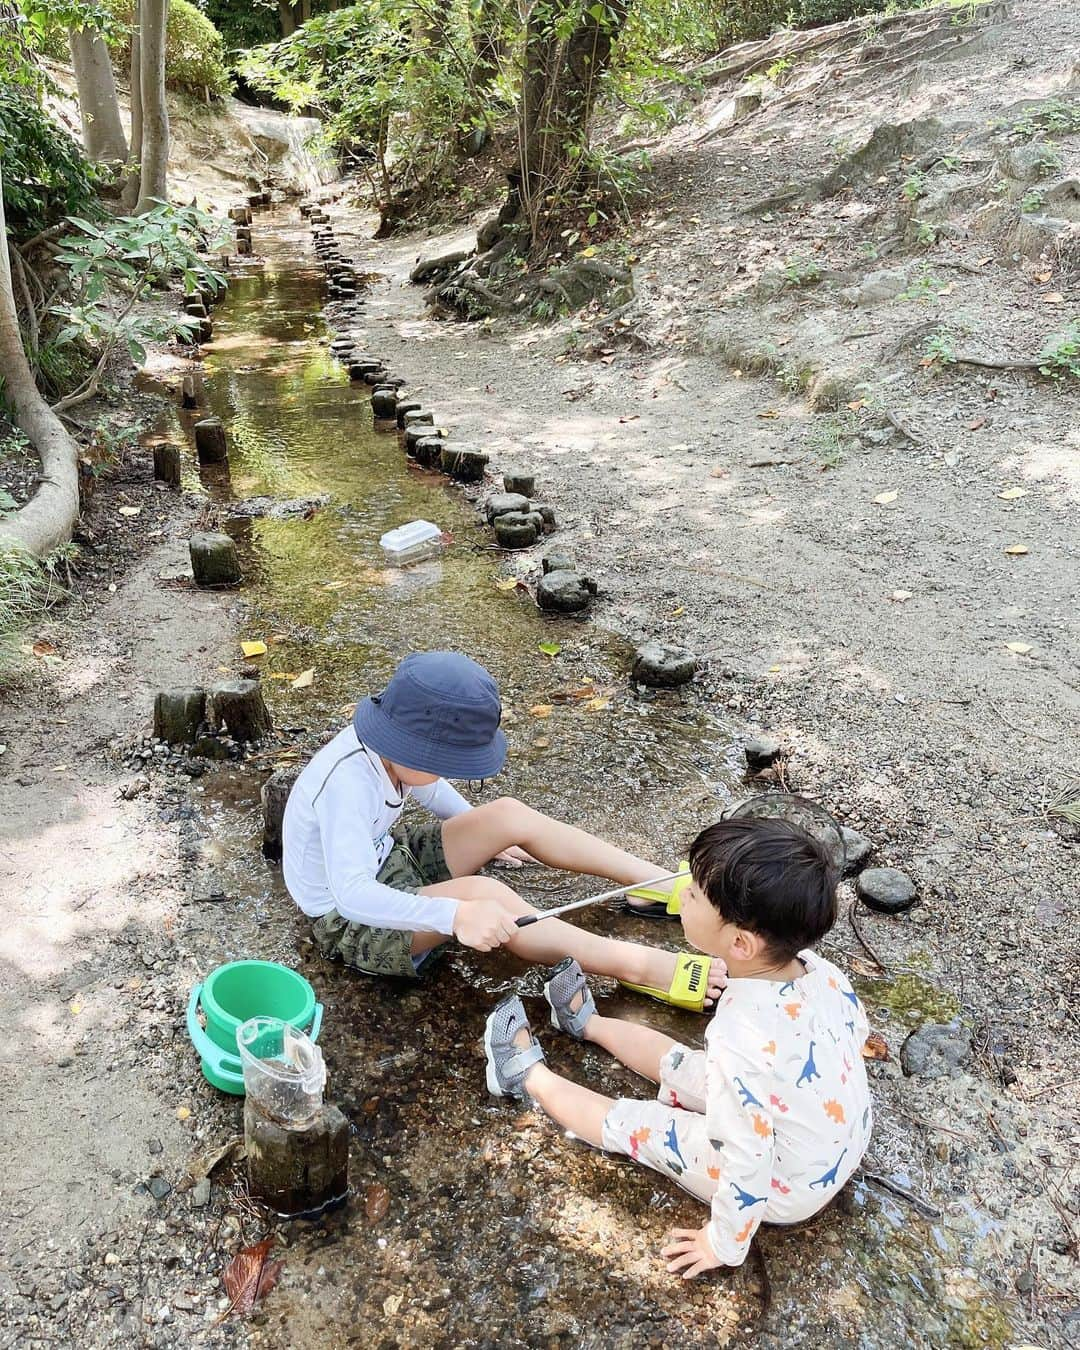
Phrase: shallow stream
(473, 1222)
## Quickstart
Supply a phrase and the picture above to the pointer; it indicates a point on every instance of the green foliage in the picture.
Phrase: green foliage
(1056, 116)
(923, 287)
(914, 186)
(23, 594)
(1060, 355)
(45, 173)
(800, 271)
(242, 25)
(114, 264)
(1031, 201)
(940, 348)
(740, 20)
(194, 49)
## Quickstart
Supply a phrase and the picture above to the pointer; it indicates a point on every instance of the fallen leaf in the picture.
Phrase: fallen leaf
(506, 584)
(130, 510)
(305, 679)
(1011, 494)
(1015, 550)
(597, 704)
(334, 585)
(679, 609)
(392, 1304)
(634, 417)
(856, 404)
(874, 1047)
(76, 1009)
(203, 1164)
(769, 412)
(43, 648)
(253, 648)
(605, 361)
(1053, 298)
(550, 648)
(376, 1203)
(541, 742)
(774, 670)
(981, 262)
(884, 498)
(900, 596)
(1043, 277)
(281, 675)
(1020, 648)
(182, 1112)
(540, 710)
(948, 290)
(977, 423)
(250, 1275)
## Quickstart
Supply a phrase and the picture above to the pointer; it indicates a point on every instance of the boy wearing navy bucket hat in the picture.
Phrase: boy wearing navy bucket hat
(384, 896)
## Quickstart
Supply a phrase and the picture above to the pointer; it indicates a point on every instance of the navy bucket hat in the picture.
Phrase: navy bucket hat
(440, 713)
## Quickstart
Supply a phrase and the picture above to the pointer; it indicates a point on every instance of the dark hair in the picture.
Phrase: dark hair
(770, 877)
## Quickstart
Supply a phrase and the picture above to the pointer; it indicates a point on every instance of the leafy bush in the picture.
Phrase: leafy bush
(1060, 355)
(194, 49)
(743, 20)
(45, 174)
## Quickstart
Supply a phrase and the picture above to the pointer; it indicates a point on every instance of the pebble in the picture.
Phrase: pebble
(936, 1050)
(565, 592)
(200, 1193)
(663, 666)
(158, 1187)
(761, 751)
(857, 848)
(886, 889)
(504, 503)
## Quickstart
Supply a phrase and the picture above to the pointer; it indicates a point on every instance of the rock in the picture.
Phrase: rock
(200, 1198)
(1028, 163)
(195, 308)
(287, 509)
(556, 562)
(402, 409)
(384, 401)
(210, 444)
(427, 450)
(359, 370)
(662, 666)
(206, 330)
(240, 214)
(375, 376)
(467, 466)
(274, 794)
(158, 1187)
(936, 1050)
(210, 747)
(514, 529)
(178, 714)
(167, 464)
(503, 503)
(523, 484)
(416, 417)
(547, 515)
(886, 889)
(243, 246)
(565, 592)
(761, 751)
(238, 705)
(154, 1146)
(214, 560)
(876, 287)
(419, 431)
(857, 849)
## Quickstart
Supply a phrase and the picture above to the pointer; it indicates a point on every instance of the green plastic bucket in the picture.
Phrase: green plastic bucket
(233, 994)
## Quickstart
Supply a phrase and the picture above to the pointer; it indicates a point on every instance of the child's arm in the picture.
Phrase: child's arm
(441, 799)
(352, 865)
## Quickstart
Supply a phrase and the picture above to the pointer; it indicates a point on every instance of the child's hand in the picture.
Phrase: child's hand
(514, 857)
(690, 1252)
(483, 924)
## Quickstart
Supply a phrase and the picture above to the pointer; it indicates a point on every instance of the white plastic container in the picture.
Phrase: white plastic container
(284, 1072)
(411, 543)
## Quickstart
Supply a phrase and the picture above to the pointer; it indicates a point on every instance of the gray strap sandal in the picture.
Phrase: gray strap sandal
(507, 1063)
(566, 983)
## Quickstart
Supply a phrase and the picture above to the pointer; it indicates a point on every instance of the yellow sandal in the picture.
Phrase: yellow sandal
(689, 985)
(662, 904)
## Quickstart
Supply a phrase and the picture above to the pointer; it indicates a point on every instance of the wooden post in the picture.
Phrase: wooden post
(167, 464)
(214, 561)
(189, 397)
(467, 466)
(297, 1171)
(178, 714)
(274, 795)
(243, 246)
(238, 704)
(210, 443)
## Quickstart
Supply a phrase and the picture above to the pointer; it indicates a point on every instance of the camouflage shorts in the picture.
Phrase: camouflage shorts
(417, 859)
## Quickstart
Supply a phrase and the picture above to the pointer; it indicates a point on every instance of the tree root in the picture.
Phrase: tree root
(438, 268)
(995, 363)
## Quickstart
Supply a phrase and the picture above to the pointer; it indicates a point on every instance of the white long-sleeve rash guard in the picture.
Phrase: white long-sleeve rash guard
(336, 836)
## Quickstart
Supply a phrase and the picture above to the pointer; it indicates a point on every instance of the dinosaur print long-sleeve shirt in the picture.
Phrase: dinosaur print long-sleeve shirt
(787, 1107)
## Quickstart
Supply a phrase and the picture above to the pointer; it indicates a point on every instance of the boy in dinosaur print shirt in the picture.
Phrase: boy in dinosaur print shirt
(773, 1116)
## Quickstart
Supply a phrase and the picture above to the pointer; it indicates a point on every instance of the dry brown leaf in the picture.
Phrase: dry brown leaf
(884, 498)
(856, 404)
(305, 679)
(1016, 550)
(540, 710)
(977, 423)
(769, 412)
(253, 648)
(376, 1203)
(506, 584)
(203, 1164)
(541, 742)
(948, 290)
(597, 704)
(334, 585)
(250, 1275)
(900, 596)
(874, 1047)
(42, 647)
(1043, 277)
(1053, 298)
(182, 1112)
(1012, 494)
(981, 262)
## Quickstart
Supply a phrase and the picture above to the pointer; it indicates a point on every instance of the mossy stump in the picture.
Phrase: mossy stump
(167, 464)
(178, 714)
(210, 443)
(214, 560)
(297, 1171)
(274, 795)
(238, 706)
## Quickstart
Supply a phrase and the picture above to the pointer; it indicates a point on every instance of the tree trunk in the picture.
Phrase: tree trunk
(489, 42)
(155, 116)
(99, 110)
(558, 93)
(131, 187)
(286, 18)
(48, 518)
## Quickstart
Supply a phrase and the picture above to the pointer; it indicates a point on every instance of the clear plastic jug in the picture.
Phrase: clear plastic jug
(284, 1072)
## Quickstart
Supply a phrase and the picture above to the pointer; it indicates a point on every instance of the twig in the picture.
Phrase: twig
(898, 422)
(994, 363)
(1021, 731)
(862, 939)
(917, 1203)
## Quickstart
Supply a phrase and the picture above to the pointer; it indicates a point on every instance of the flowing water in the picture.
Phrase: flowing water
(473, 1222)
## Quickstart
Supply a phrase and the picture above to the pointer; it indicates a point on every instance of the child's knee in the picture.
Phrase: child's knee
(488, 888)
(509, 812)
